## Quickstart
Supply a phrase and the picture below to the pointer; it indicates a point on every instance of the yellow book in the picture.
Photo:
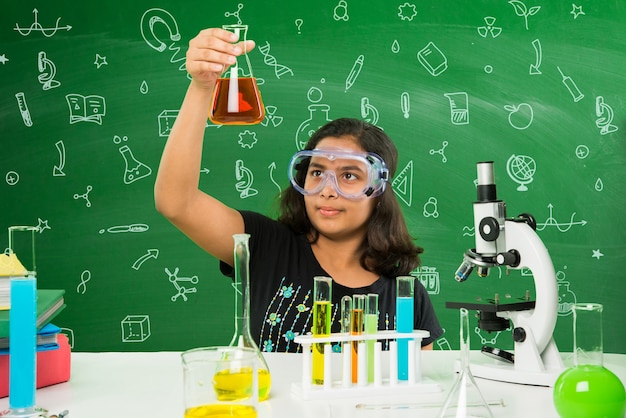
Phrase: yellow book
(10, 266)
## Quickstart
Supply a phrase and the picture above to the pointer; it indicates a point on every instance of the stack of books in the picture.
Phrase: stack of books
(53, 350)
(10, 266)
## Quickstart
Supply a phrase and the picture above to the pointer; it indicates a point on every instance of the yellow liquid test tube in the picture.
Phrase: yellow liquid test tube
(356, 328)
(322, 296)
(371, 327)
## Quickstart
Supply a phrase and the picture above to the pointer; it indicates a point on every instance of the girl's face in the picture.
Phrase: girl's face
(332, 215)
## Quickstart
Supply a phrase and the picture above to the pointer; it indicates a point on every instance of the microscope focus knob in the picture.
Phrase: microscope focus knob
(519, 335)
(489, 228)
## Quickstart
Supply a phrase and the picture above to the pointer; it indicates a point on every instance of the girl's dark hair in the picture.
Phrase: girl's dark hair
(388, 248)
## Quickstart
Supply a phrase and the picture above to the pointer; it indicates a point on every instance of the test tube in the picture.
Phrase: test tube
(322, 296)
(346, 311)
(404, 321)
(371, 327)
(356, 328)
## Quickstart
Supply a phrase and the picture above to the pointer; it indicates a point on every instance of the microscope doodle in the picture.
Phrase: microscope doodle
(245, 178)
(181, 291)
(152, 17)
(369, 113)
(37, 27)
(48, 71)
(403, 184)
(604, 113)
(91, 108)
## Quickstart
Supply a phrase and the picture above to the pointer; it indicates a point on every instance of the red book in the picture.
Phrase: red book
(53, 366)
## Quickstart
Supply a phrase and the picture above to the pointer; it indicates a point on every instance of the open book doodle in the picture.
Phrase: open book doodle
(86, 108)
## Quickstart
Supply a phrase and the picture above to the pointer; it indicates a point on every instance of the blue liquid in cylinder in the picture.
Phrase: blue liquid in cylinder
(404, 323)
(23, 334)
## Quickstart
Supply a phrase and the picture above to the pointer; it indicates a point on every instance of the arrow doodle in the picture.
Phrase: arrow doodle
(58, 169)
(152, 253)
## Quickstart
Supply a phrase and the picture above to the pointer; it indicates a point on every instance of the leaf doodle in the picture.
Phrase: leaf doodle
(523, 11)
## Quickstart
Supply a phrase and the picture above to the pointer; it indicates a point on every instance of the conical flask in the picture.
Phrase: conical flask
(588, 389)
(237, 100)
(242, 336)
(465, 399)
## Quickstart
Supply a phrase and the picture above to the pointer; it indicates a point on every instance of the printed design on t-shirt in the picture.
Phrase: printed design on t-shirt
(277, 315)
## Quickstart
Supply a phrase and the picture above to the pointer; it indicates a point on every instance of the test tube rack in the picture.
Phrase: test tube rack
(343, 387)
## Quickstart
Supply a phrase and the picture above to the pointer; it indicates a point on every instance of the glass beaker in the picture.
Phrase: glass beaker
(322, 297)
(22, 324)
(588, 388)
(465, 398)
(242, 336)
(237, 100)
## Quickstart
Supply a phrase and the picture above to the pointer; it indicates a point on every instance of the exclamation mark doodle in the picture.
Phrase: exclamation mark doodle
(21, 104)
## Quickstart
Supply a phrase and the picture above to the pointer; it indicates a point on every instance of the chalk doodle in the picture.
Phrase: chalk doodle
(37, 27)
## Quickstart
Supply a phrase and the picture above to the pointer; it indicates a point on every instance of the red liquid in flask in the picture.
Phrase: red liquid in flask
(251, 110)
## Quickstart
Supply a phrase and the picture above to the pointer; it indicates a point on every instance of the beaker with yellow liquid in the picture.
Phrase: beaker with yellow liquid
(237, 100)
(241, 337)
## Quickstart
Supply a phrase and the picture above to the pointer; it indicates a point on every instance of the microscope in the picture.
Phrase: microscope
(513, 243)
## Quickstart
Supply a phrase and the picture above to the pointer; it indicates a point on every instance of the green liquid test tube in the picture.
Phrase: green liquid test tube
(322, 296)
(371, 327)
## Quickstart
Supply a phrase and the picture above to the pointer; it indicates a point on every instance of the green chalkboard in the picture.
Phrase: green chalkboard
(89, 93)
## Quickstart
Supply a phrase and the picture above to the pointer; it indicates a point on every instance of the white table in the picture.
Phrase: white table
(120, 385)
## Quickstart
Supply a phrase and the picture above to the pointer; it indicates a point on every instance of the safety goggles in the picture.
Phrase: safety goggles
(352, 174)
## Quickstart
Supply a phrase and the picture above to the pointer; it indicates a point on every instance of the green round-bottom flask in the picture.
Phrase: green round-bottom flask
(589, 391)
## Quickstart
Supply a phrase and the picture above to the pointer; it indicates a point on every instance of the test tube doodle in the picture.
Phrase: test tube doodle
(21, 104)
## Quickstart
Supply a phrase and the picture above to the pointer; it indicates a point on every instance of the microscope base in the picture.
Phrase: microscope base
(507, 373)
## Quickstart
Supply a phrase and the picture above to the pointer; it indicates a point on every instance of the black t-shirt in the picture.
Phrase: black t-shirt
(282, 267)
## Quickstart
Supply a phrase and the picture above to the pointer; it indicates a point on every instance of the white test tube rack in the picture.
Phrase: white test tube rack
(334, 388)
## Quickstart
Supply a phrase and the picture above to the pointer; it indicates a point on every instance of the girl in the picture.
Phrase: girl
(338, 219)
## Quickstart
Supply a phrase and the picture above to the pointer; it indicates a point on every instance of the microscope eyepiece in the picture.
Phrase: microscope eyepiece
(486, 189)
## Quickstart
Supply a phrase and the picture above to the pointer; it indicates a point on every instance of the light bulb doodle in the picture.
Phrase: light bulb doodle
(149, 20)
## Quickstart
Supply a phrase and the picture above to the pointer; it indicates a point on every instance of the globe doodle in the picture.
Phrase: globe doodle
(521, 169)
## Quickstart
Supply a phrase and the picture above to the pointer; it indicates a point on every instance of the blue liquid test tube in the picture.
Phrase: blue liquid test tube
(22, 334)
(404, 321)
